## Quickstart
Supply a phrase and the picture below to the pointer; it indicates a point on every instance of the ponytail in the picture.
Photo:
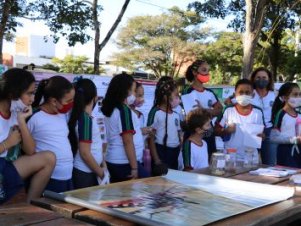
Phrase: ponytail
(278, 104)
(77, 110)
(39, 93)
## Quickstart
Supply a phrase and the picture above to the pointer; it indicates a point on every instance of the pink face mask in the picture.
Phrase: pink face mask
(175, 102)
(203, 78)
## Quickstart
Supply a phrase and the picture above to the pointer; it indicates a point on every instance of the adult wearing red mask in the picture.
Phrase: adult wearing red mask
(198, 74)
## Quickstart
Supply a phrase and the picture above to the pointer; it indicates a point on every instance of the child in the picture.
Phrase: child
(49, 128)
(165, 146)
(194, 149)
(285, 120)
(124, 136)
(198, 74)
(84, 136)
(16, 95)
(240, 115)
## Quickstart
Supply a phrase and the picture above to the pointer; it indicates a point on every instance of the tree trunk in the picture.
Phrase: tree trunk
(5, 13)
(96, 39)
(254, 23)
(113, 28)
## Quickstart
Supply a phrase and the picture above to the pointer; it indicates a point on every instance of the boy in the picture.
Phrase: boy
(237, 119)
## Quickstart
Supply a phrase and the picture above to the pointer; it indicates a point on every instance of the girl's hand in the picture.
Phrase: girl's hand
(134, 174)
(198, 104)
(231, 128)
(101, 173)
(13, 138)
(298, 139)
(25, 113)
(262, 135)
(147, 131)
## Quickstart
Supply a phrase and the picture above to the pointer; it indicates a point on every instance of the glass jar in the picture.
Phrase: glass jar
(218, 163)
(248, 158)
(231, 160)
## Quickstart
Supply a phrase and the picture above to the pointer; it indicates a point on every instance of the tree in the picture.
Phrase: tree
(162, 43)
(224, 55)
(74, 65)
(97, 45)
(253, 10)
(68, 18)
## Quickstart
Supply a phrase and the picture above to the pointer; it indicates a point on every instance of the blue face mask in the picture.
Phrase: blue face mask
(261, 83)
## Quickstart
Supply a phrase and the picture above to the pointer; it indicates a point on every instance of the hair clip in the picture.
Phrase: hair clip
(77, 78)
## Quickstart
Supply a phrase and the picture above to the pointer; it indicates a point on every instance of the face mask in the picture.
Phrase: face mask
(208, 132)
(66, 108)
(203, 78)
(17, 106)
(175, 102)
(294, 101)
(130, 99)
(261, 83)
(244, 100)
(138, 103)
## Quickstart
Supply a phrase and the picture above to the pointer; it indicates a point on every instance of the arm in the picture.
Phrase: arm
(153, 150)
(277, 137)
(13, 139)
(28, 144)
(217, 109)
(85, 153)
(129, 147)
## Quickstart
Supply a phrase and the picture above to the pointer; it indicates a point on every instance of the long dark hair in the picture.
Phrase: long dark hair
(15, 81)
(85, 92)
(193, 67)
(163, 93)
(270, 86)
(55, 87)
(159, 83)
(284, 91)
(117, 92)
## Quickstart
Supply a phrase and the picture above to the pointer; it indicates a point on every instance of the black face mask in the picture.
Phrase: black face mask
(261, 83)
(208, 132)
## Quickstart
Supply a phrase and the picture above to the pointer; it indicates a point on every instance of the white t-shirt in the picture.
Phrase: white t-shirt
(123, 120)
(88, 132)
(157, 120)
(232, 116)
(206, 97)
(286, 123)
(50, 132)
(195, 156)
(5, 125)
(266, 104)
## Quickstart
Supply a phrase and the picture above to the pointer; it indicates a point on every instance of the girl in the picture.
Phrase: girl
(48, 126)
(85, 137)
(198, 74)
(285, 120)
(124, 136)
(16, 96)
(165, 146)
(194, 149)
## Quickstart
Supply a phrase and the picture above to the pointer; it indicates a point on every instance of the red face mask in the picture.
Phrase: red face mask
(203, 78)
(66, 108)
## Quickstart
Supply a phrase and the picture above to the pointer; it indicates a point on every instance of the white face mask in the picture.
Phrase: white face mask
(130, 99)
(294, 101)
(244, 100)
(17, 106)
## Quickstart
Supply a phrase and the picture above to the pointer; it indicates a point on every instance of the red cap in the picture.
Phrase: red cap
(231, 150)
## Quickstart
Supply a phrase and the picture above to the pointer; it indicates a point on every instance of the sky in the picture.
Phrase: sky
(107, 17)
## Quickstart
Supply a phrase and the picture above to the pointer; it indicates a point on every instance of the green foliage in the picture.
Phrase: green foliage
(51, 67)
(161, 43)
(68, 18)
(225, 57)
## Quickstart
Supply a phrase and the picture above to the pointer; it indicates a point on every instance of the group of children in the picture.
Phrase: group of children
(57, 146)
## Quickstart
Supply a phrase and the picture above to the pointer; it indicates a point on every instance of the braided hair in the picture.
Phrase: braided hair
(163, 93)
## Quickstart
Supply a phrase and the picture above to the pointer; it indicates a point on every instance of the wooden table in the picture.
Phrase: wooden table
(281, 213)
(25, 214)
